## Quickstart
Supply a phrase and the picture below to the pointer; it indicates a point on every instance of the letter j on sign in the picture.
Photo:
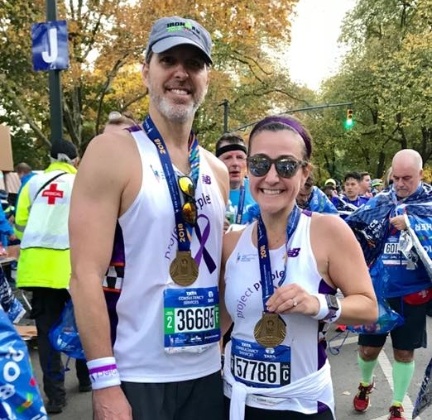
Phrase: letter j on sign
(50, 46)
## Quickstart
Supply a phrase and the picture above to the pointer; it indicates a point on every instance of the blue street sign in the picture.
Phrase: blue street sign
(50, 46)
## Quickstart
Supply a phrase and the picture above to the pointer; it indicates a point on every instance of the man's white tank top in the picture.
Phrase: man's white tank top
(150, 244)
(244, 302)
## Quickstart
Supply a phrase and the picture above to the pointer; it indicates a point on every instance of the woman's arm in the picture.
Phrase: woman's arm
(341, 264)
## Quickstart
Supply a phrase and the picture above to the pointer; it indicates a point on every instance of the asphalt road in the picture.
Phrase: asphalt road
(345, 375)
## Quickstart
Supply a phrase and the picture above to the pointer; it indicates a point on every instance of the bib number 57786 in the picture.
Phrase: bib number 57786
(260, 372)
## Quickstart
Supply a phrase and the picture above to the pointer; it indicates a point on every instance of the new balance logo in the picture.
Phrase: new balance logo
(293, 252)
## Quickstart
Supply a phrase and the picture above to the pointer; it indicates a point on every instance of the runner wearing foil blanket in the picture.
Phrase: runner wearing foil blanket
(311, 198)
(351, 200)
(379, 226)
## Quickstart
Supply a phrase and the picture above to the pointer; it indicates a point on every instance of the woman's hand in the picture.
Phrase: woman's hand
(292, 298)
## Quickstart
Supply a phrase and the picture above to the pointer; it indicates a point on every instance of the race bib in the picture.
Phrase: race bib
(191, 319)
(257, 366)
(392, 255)
(391, 248)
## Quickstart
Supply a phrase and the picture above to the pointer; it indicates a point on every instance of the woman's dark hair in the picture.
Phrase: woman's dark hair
(280, 122)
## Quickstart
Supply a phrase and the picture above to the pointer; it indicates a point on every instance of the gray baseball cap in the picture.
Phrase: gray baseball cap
(169, 32)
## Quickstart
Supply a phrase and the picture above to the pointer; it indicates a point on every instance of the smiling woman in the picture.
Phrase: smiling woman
(290, 264)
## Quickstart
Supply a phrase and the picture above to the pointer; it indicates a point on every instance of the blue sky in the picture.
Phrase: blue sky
(314, 53)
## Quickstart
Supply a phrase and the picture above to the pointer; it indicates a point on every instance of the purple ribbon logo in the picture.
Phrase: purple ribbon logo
(202, 239)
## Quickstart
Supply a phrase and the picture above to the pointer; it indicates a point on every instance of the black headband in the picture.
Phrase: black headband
(230, 148)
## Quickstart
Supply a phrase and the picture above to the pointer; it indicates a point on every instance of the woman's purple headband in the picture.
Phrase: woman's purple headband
(290, 122)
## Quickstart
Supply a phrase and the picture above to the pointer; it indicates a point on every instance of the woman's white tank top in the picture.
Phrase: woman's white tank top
(243, 298)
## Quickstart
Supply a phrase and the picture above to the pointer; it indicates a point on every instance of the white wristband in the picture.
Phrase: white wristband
(323, 308)
(326, 313)
(103, 373)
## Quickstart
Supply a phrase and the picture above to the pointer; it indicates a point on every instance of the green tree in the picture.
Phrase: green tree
(386, 77)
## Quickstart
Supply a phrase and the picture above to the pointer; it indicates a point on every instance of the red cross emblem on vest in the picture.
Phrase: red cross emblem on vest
(52, 193)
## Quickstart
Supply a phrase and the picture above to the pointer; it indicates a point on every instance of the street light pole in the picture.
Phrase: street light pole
(55, 93)
(225, 104)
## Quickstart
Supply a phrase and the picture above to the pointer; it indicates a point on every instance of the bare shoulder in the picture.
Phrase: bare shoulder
(108, 166)
(230, 240)
(336, 250)
(332, 237)
(107, 148)
(328, 226)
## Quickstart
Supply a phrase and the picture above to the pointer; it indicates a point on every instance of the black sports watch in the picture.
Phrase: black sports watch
(333, 306)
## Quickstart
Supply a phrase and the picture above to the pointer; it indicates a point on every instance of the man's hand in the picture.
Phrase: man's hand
(398, 222)
(111, 404)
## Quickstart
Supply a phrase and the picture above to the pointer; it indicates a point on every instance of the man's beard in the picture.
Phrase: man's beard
(179, 113)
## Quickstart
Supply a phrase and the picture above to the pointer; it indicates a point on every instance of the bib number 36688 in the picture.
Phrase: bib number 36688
(192, 319)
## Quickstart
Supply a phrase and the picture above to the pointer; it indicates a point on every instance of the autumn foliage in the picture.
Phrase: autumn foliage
(106, 44)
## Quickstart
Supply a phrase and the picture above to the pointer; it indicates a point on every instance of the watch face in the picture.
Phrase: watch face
(332, 302)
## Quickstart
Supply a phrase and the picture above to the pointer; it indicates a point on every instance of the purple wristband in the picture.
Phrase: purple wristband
(103, 373)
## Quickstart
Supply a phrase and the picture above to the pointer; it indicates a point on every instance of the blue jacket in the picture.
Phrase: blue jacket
(5, 227)
(24, 181)
(379, 240)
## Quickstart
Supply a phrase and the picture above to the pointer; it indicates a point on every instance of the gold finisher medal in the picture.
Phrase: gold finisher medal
(270, 330)
(184, 269)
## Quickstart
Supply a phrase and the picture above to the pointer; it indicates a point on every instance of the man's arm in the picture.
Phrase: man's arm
(22, 212)
(100, 196)
(94, 209)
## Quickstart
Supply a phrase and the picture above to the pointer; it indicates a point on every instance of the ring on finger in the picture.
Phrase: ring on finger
(294, 302)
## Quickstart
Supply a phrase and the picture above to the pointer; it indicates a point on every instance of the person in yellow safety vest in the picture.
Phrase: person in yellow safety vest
(41, 222)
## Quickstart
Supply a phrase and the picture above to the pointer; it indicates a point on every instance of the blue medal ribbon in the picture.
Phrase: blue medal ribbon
(264, 254)
(240, 205)
(154, 135)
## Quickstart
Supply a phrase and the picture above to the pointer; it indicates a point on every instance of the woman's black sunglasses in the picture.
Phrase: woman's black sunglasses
(189, 209)
(286, 166)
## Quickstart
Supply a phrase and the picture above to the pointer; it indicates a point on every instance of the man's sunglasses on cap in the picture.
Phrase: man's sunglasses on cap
(189, 209)
(286, 166)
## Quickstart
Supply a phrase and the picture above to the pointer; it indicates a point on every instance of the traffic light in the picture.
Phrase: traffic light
(349, 118)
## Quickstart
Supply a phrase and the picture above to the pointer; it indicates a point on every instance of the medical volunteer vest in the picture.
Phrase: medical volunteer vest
(41, 223)
(47, 226)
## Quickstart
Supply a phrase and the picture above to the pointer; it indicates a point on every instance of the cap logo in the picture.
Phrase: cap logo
(178, 26)
(170, 32)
